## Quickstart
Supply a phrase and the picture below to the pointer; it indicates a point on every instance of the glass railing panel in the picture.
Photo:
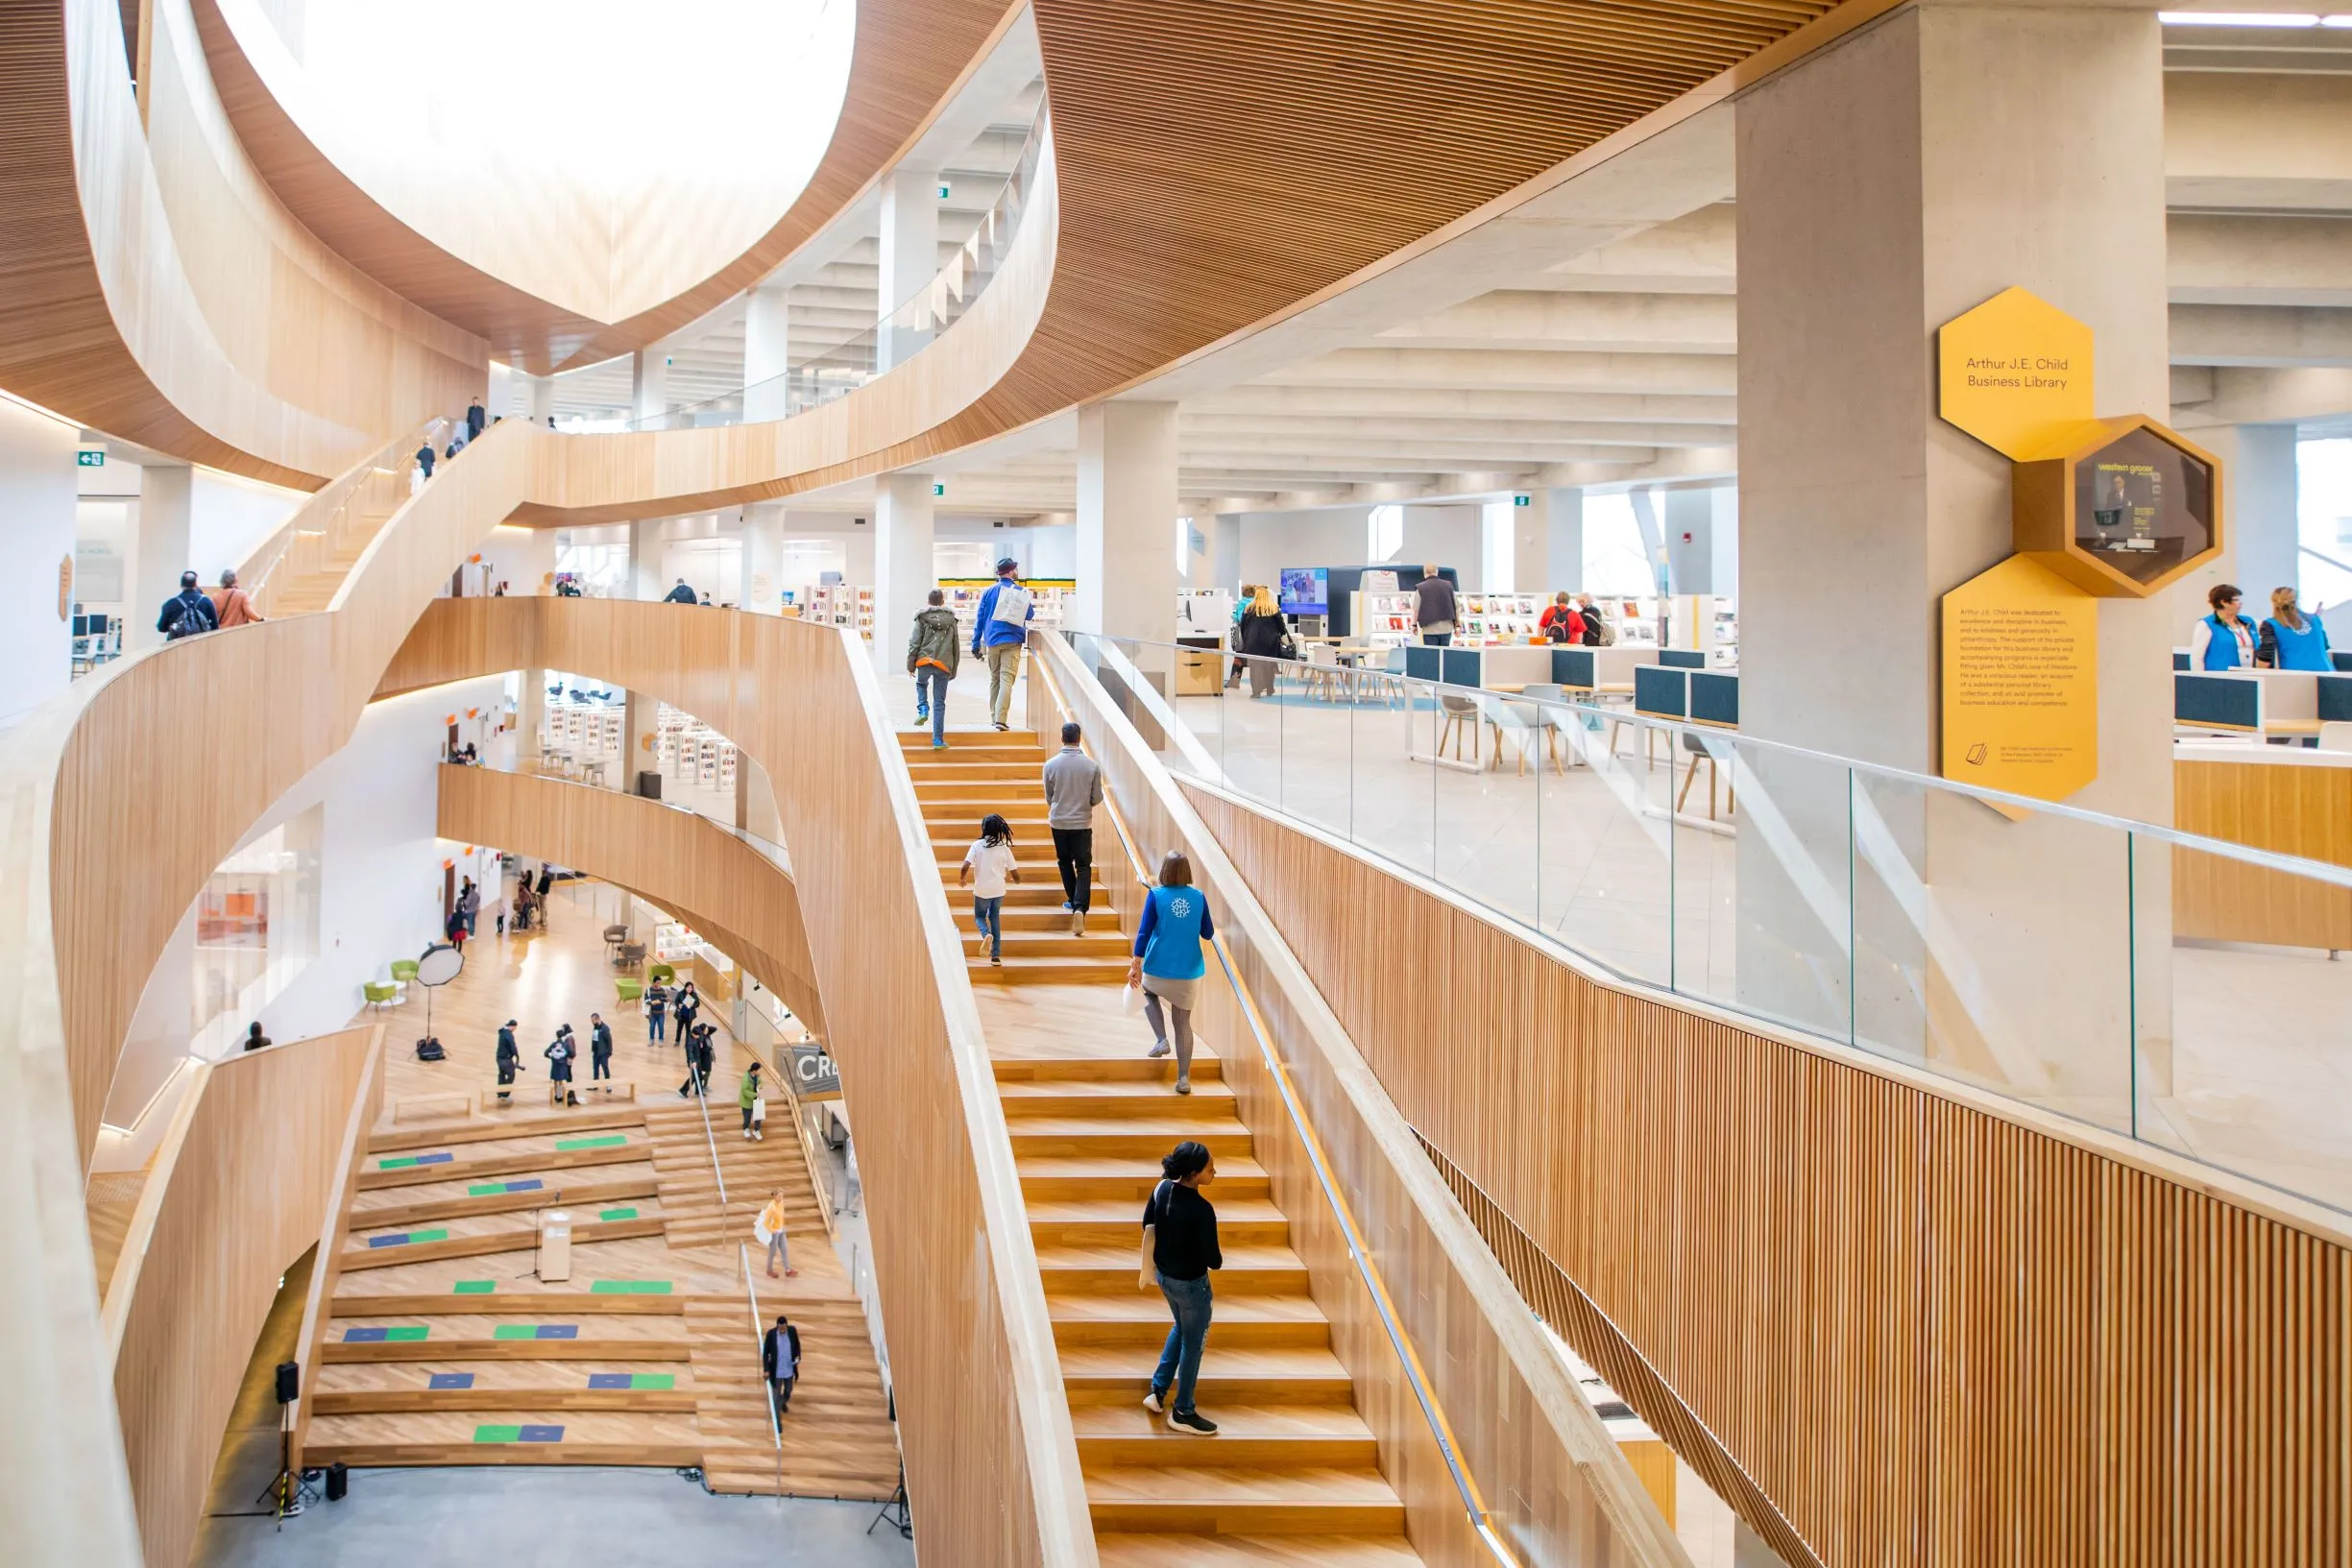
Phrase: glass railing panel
(1962, 970)
(2243, 1022)
(1483, 802)
(2175, 989)
(1764, 879)
(1602, 851)
(1392, 798)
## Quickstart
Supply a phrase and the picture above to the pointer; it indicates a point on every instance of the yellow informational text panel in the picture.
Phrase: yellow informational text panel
(2021, 683)
(2014, 373)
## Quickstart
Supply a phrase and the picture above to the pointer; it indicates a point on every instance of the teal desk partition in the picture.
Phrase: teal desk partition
(1661, 691)
(2216, 702)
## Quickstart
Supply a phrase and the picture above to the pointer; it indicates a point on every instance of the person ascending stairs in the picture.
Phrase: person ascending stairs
(1167, 963)
(1179, 1249)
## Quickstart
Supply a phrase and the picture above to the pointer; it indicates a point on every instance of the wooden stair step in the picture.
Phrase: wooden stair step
(1142, 1140)
(1283, 1375)
(492, 1242)
(1140, 1096)
(1069, 1270)
(1334, 1500)
(1084, 1174)
(324, 1450)
(1116, 1222)
(1254, 1436)
(477, 1131)
(1060, 1071)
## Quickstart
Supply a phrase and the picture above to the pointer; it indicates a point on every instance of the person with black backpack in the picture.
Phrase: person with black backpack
(187, 612)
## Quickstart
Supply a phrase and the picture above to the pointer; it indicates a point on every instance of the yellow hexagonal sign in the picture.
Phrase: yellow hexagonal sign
(2014, 373)
(2021, 683)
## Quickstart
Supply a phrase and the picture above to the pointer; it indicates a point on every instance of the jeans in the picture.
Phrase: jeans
(599, 1067)
(986, 915)
(653, 1025)
(1179, 1361)
(1074, 855)
(1437, 639)
(1004, 669)
(784, 1392)
(931, 697)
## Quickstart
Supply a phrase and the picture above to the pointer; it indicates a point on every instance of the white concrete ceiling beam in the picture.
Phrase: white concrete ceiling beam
(1514, 371)
(1319, 433)
(2277, 336)
(1461, 403)
(1646, 323)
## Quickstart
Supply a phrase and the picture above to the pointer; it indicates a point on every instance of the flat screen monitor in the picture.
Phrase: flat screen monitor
(1306, 591)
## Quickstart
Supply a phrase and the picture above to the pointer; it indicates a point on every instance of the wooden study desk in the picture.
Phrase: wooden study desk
(2286, 798)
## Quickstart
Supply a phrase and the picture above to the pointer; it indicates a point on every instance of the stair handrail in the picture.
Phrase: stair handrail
(1047, 648)
(759, 1347)
(702, 1098)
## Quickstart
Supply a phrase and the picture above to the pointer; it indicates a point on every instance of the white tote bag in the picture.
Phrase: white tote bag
(1011, 603)
(759, 1109)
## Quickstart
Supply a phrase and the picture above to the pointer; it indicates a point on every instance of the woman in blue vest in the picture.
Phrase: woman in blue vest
(1167, 963)
(2223, 640)
(2292, 640)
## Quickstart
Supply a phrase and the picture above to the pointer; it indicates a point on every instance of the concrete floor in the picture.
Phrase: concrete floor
(596, 1518)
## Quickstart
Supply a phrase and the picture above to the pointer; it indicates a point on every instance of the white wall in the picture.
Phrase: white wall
(1444, 535)
(37, 503)
(230, 516)
(1271, 541)
(379, 896)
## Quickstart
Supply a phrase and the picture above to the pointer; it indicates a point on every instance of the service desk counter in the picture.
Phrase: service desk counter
(2286, 799)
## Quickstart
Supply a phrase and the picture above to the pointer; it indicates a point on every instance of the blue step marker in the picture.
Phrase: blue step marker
(559, 1331)
(450, 1380)
(539, 1434)
(608, 1379)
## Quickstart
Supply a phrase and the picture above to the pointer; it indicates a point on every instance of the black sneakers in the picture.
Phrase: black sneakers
(1192, 1421)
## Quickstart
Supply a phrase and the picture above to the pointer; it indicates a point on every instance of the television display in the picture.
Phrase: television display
(1306, 591)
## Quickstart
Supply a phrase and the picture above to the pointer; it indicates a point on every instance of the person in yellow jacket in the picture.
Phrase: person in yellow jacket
(768, 1230)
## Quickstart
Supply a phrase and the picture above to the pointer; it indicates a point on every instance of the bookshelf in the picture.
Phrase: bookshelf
(1050, 597)
(1497, 620)
(840, 604)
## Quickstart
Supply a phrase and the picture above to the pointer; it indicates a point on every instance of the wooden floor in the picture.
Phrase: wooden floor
(446, 1347)
(1291, 1476)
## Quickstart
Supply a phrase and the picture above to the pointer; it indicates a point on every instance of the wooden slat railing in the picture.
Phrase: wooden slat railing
(1927, 1325)
(251, 1175)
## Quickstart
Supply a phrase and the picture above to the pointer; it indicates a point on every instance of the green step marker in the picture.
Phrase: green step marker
(438, 1234)
(497, 1435)
(617, 1214)
(475, 1287)
(487, 1189)
(610, 1141)
(630, 1286)
(400, 1162)
(408, 1334)
(654, 1379)
(514, 1331)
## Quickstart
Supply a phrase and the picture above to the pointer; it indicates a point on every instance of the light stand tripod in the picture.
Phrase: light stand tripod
(289, 1489)
(895, 1510)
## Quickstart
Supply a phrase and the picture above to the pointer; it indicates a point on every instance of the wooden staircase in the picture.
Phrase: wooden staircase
(442, 1348)
(984, 771)
(1293, 1475)
(839, 1440)
(305, 579)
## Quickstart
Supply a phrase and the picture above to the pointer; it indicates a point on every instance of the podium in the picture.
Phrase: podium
(555, 1245)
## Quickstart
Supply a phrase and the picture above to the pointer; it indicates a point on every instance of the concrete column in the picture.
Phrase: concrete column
(543, 398)
(767, 353)
(646, 542)
(1127, 507)
(1531, 544)
(639, 722)
(1564, 518)
(1690, 540)
(2264, 507)
(1886, 184)
(1226, 552)
(909, 258)
(530, 714)
(1497, 547)
(38, 485)
(167, 505)
(904, 571)
(648, 384)
(764, 583)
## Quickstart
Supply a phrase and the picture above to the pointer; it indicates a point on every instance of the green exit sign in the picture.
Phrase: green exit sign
(943, 189)
(1519, 500)
(938, 490)
(90, 459)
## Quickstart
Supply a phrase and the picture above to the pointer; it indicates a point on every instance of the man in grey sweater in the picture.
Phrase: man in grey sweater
(1073, 789)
